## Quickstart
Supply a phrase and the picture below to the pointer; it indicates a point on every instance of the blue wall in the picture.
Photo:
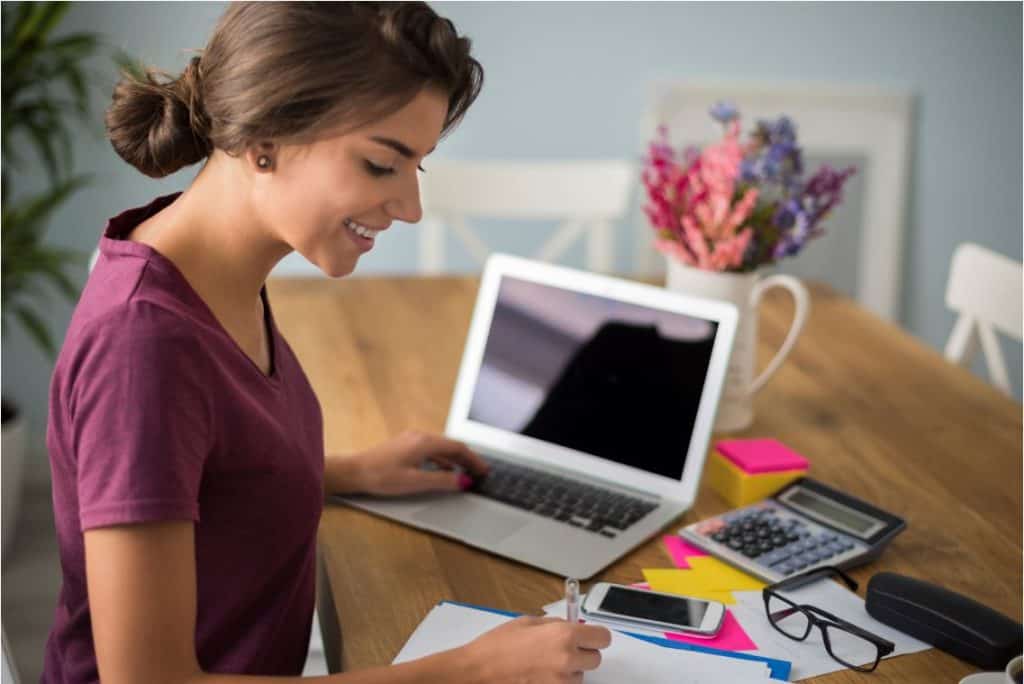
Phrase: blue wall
(570, 80)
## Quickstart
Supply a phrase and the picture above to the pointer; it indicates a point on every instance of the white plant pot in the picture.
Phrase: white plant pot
(12, 456)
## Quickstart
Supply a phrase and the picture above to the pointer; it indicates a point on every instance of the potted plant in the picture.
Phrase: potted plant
(723, 213)
(43, 88)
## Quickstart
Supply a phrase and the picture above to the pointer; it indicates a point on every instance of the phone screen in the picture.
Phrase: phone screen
(648, 606)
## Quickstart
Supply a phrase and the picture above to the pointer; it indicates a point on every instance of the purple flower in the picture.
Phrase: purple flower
(723, 112)
(824, 191)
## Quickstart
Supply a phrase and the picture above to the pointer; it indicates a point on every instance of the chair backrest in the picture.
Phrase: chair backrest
(985, 289)
(10, 671)
(587, 196)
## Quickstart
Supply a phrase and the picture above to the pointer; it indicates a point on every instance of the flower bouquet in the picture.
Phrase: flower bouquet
(737, 205)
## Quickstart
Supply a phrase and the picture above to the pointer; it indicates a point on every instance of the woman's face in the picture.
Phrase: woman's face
(329, 200)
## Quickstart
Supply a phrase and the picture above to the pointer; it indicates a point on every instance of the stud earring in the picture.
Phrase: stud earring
(263, 161)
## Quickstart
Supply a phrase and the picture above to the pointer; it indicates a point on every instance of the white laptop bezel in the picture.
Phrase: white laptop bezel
(460, 427)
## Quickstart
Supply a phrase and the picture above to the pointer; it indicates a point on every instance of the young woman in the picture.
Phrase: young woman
(185, 442)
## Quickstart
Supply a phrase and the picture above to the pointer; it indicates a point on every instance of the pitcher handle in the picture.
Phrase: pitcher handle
(802, 300)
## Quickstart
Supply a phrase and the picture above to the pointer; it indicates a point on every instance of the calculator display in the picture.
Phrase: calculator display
(837, 514)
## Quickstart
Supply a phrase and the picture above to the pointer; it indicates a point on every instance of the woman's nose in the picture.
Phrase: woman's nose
(406, 206)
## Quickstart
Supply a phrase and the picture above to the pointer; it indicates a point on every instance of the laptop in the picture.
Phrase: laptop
(593, 399)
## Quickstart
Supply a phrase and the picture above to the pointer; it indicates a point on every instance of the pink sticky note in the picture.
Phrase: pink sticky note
(641, 585)
(731, 637)
(761, 455)
(680, 550)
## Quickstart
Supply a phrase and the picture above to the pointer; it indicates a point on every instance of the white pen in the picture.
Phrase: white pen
(572, 600)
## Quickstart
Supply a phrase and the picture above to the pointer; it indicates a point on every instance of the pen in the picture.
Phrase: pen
(572, 600)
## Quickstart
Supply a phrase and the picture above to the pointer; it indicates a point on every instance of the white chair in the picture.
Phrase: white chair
(587, 196)
(985, 289)
(10, 671)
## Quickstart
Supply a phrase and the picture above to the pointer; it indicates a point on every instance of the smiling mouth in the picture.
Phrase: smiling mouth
(360, 229)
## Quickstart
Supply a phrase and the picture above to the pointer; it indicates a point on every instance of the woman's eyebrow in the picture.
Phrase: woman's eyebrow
(398, 146)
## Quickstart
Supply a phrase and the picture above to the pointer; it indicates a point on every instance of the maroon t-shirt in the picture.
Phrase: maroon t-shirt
(156, 414)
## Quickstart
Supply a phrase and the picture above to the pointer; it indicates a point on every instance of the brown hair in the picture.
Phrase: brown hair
(287, 71)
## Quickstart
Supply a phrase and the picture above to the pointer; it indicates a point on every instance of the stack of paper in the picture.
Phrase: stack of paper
(627, 659)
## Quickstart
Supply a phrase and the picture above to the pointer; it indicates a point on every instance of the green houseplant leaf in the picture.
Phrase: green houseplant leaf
(44, 87)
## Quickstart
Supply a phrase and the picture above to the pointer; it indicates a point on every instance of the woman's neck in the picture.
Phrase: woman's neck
(214, 237)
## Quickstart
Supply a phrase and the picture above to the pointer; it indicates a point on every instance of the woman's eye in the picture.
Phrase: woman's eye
(375, 170)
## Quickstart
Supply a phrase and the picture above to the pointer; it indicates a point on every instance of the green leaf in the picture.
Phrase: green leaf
(35, 327)
(42, 18)
(43, 142)
(75, 46)
(76, 83)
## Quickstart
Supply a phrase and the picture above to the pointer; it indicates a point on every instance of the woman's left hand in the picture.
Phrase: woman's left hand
(395, 467)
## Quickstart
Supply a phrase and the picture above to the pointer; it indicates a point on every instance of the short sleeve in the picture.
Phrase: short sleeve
(140, 419)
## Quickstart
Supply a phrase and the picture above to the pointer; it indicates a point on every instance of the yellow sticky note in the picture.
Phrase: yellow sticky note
(720, 575)
(684, 583)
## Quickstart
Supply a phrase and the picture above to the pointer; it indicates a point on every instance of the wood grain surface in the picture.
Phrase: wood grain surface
(879, 414)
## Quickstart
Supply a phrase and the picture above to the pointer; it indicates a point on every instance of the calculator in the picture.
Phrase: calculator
(804, 526)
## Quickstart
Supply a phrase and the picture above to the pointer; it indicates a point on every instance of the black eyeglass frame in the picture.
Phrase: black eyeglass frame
(822, 619)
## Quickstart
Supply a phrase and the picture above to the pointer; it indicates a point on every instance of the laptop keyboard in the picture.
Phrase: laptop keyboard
(595, 509)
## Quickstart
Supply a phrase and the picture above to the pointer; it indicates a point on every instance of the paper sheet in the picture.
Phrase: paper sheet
(626, 660)
(809, 658)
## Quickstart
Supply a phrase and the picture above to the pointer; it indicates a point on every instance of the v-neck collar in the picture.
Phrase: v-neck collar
(114, 242)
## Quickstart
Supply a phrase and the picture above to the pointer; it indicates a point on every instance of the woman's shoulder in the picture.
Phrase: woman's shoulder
(127, 311)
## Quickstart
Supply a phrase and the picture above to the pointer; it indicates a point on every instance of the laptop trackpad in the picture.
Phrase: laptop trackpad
(470, 520)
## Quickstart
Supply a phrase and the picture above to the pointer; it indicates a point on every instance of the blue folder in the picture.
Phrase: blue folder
(779, 668)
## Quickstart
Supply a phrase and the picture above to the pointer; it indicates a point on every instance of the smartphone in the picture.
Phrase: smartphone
(607, 602)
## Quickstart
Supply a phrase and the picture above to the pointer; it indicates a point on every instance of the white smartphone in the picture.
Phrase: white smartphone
(607, 602)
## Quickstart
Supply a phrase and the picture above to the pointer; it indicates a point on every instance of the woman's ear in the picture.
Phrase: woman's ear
(262, 156)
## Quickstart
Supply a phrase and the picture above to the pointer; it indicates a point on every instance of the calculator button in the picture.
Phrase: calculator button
(735, 543)
(774, 557)
(817, 556)
(751, 551)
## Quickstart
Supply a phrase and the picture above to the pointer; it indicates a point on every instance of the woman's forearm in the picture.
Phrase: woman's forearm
(342, 474)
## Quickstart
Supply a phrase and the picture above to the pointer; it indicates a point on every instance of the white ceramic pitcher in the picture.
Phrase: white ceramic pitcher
(736, 409)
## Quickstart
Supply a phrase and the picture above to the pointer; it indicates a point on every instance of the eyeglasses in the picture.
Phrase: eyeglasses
(848, 644)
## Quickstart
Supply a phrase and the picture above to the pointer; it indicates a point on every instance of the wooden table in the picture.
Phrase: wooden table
(878, 413)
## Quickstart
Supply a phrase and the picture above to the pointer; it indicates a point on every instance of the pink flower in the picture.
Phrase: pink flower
(691, 205)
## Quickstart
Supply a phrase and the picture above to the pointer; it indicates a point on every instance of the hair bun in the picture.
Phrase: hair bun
(157, 124)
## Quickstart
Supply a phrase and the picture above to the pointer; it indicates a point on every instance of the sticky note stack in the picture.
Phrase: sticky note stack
(744, 471)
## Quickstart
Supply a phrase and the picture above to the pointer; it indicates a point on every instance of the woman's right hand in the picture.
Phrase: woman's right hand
(537, 650)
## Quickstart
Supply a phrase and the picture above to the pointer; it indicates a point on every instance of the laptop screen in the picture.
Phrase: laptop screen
(612, 379)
